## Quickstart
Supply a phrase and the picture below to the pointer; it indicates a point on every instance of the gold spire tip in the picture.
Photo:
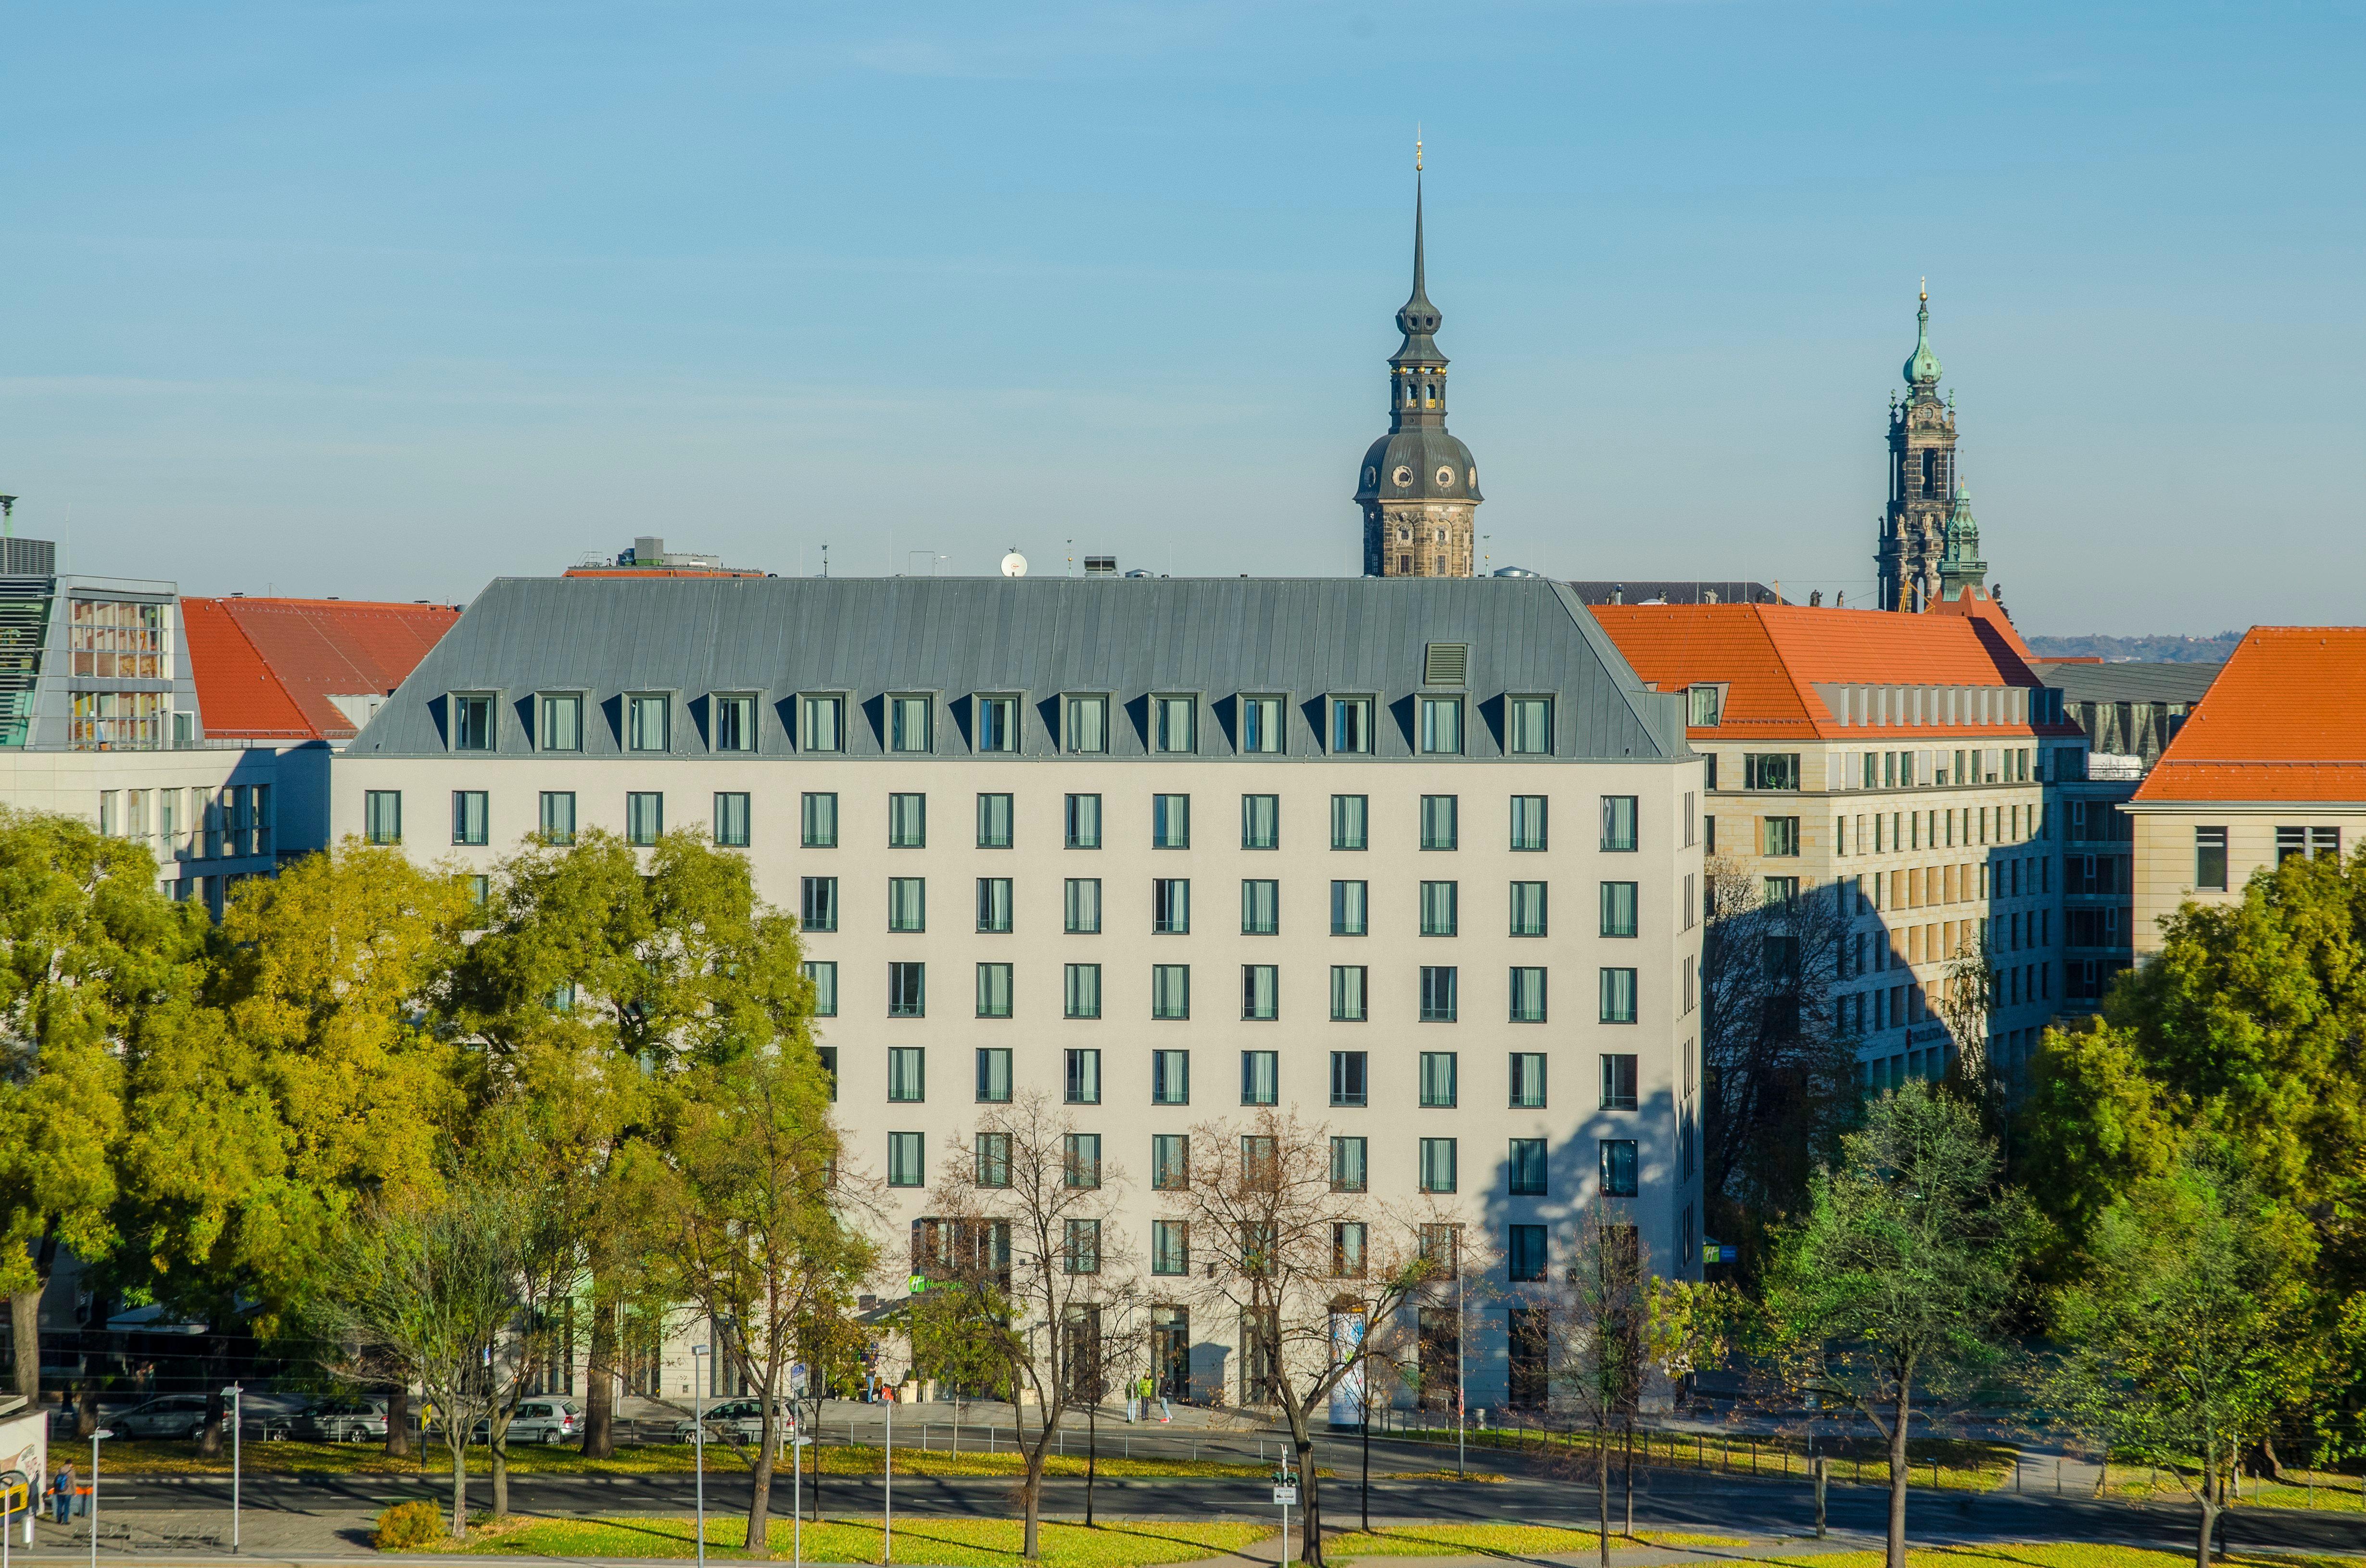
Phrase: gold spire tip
(1416, 147)
(1926, 291)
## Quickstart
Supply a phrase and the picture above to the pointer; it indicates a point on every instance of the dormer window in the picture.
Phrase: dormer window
(998, 723)
(649, 723)
(1707, 703)
(561, 720)
(1085, 731)
(1174, 726)
(907, 724)
(734, 720)
(821, 724)
(1261, 723)
(472, 722)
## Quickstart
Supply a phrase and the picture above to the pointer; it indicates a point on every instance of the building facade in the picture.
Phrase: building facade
(1404, 856)
(1911, 759)
(1419, 485)
(1922, 482)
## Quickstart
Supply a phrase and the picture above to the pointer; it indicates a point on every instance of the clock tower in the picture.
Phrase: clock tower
(1921, 480)
(1418, 487)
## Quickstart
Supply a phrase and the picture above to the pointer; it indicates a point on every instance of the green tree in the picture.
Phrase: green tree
(89, 950)
(2091, 1124)
(2183, 1323)
(1902, 1273)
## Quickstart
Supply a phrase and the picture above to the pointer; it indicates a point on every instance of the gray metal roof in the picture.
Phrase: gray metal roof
(2128, 682)
(1037, 638)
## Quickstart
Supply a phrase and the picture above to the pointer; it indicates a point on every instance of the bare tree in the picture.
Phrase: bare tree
(1601, 1350)
(1280, 1232)
(1025, 1243)
(1778, 1060)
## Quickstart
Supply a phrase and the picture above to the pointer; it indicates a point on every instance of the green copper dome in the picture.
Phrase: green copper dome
(1922, 369)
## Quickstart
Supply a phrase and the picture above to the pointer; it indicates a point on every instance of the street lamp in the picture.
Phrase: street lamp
(95, 1439)
(233, 1394)
(698, 1439)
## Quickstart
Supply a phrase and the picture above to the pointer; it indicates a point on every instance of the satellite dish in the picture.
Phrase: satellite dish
(1014, 565)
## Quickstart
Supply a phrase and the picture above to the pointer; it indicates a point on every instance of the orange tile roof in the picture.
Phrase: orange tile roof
(1771, 658)
(2283, 721)
(266, 668)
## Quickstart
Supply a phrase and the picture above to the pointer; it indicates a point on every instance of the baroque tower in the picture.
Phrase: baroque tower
(1420, 487)
(1921, 480)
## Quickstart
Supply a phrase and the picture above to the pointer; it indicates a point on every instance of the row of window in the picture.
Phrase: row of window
(1440, 1077)
(1260, 992)
(1438, 1163)
(1902, 1006)
(820, 908)
(909, 723)
(2291, 844)
(1881, 770)
(1888, 832)
(907, 820)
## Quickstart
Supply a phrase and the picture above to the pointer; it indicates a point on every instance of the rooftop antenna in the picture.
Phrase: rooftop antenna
(825, 559)
(1416, 147)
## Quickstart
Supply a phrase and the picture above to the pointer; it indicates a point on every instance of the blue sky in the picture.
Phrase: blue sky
(386, 300)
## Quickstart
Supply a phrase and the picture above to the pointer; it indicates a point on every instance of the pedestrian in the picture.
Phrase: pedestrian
(61, 1492)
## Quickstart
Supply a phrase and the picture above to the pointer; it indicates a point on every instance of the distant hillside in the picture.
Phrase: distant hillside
(2151, 649)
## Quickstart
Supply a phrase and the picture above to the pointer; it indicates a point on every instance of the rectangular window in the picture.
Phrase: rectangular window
(1260, 906)
(1528, 994)
(382, 816)
(1083, 986)
(1618, 996)
(734, 723)
(824, 975)
(1170, 1078)
(731, 820)
(558, 817)
(1438, 1165)
(1524, 1260)
(1170, 1153)
(1260, 821)
(1260, 1077)
(1440, 916)
(907, 904)
(1618, 1081)
(1705, 704)
(821, 724)
(2209, 860)
(1083, 821)
(1347, 1249)
(562, 723)
(993, 821)
(994, 904)
(1170, 821)
(1351, 725)
(1438, 831)
(1170, 990)
(993, 1157)
(1527, 1080)
(1081, 1250)
(907, 821)
(1779, 835)
(818, 825)
(818, 903)
(1439, 1089)
(1348, 984)
(1081, 1078)
(1088, 726)
(1083, 901)
(905, 1160)
(994, 1075)
(1531, 726)
(1260, 992)
(1350, 1080)
(1778, 890)
(1261, 725)
(468, 816)
(1350, 908)
(1174, 725)
(994, 990)
(1618, 900)
(1349, 1169)
(1527, 822)
(1442, 727)
(1527, 1167)
(1350, 822)
(1080, 1160)
(1619, 1168)
(907, 990)
(1437, 993)
(649, 724)
(1528, 909)
(644, 818)
(1770, 770)
(1619, 823)
(472, 723)
(998, 723)
(907, 1073)
(1170, 906)
(1170, 1246)
(907, 724)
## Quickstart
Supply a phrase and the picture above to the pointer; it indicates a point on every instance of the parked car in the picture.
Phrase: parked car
(538, 1421)
(344, 1421)
(739, 1421)
(174, 1416)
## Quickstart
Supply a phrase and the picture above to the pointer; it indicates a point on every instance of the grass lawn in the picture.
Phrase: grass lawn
(1962, 1465)
(2331, 1492)
(950, 1543)
(128, 1457)
(1496, 1541)
(2070, 1555)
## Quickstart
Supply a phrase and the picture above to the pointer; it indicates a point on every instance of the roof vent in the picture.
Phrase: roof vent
(1100, 566)
(1446, 664)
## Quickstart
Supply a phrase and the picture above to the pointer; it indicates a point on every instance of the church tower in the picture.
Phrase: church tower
(1921, 480)
(1961, 570)
(1419, 487)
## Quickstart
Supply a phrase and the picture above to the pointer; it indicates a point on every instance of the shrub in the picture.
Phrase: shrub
(407, 1527)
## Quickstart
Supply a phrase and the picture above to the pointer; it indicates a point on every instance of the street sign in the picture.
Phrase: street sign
(1286, 1496)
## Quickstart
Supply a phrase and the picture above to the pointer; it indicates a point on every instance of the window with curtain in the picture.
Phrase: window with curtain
(1530, 723)
(824, 975)
(1351, 725)
(1260, 1077)
(1170, 990)
(907, 990)
(907, 904)
(1437, 993)
(993, 821)
(1349, 1172)
(1083, 814)
(1528, 909)
(1528, 1080)
(907, 821)
(731, 820)
(649, 723)
(1260, 906)
(1083, 902)
(994, 904)
(1083, 984)
(818, 903)
(1619, 1168)
(906, 1160)
(1438, 914)
(1170, 1153)
(1438, 1165)
(820, 821)
(1527, 1167)
(558, 817)
(907, 1073)
(1528, 994)
(1261, 725)
(994, 990)
(1618, 996)
(1619, 903)
(1174, 725)
(733, 721)
(468, 816)
(382, 816)
(562, 722)
(1170, 906)
(993, 1159)
(1260, 821)
(1350, 822)
(907, 724)
(644, 818)
(1081, 1078)
(1080, 1160)
(1438, 831)
(998, 723)
(1088, 726)
(1349, 902)
(1442, 727)
(1170, 1246)
(1439, 1087)
(1260, 992)
(821, 724)
(1528, 823)
(472, 723)
(1619, 823)
(1170, 821)
(1170, 1078)
(1348, 986)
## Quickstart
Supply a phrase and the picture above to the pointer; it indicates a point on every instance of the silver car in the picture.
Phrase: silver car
(345, 1421)
(174, 1416)
(538, 1421)
(739, 1421)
